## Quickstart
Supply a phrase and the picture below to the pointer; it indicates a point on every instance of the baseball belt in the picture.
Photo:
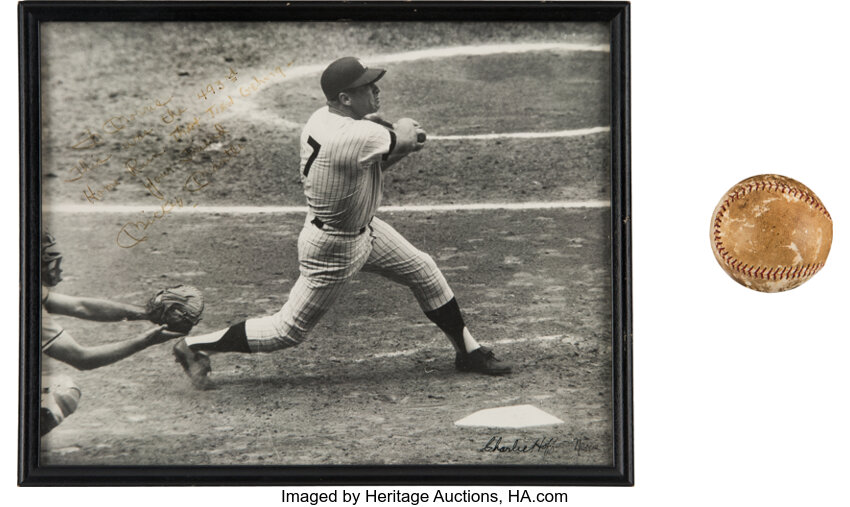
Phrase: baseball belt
(321, 225)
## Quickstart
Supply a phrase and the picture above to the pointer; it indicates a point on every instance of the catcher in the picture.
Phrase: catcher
(176, 309)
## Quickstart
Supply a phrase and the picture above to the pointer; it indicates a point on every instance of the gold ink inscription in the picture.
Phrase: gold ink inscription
(92, 195)
(258, 82)
(120, 122)
(184, 130)
(134, 233)
(134, 166)
(89, 140)
(199, 179)
(136, 139)
(171, 116)
(216, 86)
(149, 157)
(84, 166)
(220, 107)
(189, 152)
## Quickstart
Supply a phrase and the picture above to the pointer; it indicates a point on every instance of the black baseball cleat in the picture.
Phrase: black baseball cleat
(481, 360)
(195, 364)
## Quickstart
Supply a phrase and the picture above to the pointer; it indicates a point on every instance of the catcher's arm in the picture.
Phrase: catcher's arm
(99, 310)
(68, 350)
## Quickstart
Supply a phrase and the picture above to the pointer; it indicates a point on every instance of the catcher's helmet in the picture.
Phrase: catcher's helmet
(51, 272)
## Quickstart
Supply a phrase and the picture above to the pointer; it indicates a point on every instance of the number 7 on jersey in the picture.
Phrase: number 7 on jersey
(316, 147)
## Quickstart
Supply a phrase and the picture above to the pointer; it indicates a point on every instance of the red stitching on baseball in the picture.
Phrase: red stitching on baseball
(806, 271)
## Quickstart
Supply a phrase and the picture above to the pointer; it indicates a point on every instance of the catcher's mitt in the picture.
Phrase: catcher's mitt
(179, 307)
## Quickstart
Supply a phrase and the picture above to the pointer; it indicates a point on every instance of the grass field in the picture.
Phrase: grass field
(375, 381)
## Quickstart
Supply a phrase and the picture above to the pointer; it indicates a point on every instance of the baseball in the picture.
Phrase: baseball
(771, 233)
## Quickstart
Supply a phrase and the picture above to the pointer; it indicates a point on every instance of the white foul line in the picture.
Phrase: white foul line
(282, 210)
(487, 49)
(254, 210)
(425, 54)
(523, 135)
(410, 56)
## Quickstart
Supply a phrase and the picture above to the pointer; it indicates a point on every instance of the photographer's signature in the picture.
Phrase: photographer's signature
(543, 445)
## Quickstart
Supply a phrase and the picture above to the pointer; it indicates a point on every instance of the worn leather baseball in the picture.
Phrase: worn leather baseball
(771, 233)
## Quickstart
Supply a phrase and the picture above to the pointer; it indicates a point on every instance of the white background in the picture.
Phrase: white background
(740, 397)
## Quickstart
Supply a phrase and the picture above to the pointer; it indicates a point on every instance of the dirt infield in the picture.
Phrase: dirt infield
(374, 383)
(341, 397)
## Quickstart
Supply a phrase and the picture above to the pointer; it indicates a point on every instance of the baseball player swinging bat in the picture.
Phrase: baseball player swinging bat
(341, 166)
(421, 137)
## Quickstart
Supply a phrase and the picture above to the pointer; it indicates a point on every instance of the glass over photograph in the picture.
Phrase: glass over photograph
(314, 243)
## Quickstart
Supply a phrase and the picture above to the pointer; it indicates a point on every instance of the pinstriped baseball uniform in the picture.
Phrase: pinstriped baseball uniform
(339, 168)
(342, 177)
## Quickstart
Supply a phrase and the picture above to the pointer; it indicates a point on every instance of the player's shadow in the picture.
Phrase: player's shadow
(351, 376)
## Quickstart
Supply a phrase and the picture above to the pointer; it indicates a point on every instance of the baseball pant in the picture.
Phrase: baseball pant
(328, 259)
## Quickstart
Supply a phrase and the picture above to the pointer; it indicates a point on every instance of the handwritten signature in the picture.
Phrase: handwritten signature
(146, 165)
(221, 107)
(544, 445)
(84, 166)
(118, 123)
(201, 178)
(133, 233)
(93, 195)
(259, 82)
(190, 151)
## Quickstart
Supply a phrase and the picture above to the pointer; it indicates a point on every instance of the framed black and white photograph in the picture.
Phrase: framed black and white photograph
(339, 243)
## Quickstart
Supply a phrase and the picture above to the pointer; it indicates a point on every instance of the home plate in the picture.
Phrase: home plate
(517, 416)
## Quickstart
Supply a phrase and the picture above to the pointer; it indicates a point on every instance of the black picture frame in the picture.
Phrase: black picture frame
(31, 473)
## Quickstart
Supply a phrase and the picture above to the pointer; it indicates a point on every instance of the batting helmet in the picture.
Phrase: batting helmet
(347, 73)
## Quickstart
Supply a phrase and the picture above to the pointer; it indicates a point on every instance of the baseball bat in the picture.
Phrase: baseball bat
(420, 138)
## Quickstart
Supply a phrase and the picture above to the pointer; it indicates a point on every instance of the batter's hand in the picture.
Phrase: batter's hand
(421, 137)
(407, 132)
